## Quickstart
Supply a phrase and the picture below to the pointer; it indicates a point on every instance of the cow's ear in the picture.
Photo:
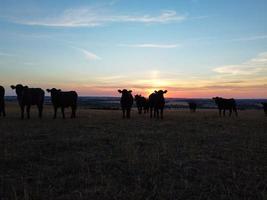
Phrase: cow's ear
(13, 87)
(155, 91)
(48, 90)
(165, 91)
(130, 91)
(119, 91)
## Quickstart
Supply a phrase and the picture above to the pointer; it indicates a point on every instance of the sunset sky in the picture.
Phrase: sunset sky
(192, 48)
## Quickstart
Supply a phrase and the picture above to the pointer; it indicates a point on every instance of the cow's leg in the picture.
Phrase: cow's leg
(40, 109)
(151, 110)
(63, 112)
(161, 113)
(123, 113)
(223, 112)
(55, 112)
(235, 110)
(230, 112)
(128, 112)
(22, 111)
(28, 111)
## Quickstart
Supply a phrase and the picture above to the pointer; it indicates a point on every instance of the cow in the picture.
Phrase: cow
(2, 101)
(63, 100)
(225, 104)
(27, 97)
(265, 108)
(157, 103)
(141, 103)
(126, 102)
(192, 106)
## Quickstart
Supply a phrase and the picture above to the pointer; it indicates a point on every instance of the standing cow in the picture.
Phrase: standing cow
(265, 108)
(63, 100)
(2, 101)
(225, 104)
(141, 103)
(157, 103)
(27, 97)
(192, 106)
(126, 102)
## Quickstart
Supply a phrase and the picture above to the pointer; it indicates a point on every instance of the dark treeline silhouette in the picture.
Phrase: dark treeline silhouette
(2, 101)
(63, 100)
(265, 108)
(157, 103)
(142, 104)
(29, 96)
(192, 106)
(126, 102)
(225, 104)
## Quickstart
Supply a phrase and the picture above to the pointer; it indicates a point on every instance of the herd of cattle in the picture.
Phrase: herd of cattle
(154, 104)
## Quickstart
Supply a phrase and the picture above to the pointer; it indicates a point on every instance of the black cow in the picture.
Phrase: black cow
(63, 100)
(141, 103)
(225, 104)
(265, 108)
(29, 96)
(192, 106)
(2, 101)
(126, 102)
(157, 103)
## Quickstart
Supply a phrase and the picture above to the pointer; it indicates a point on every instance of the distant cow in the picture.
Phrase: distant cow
(265, 108)
(126, 102)
(225, 104)
(157, 103)
(63, 100)
(141, 103)
(29, 96)
(192, 106)
(2, 101)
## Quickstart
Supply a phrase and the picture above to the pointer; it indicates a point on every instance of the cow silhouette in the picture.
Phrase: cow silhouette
(126, 102)
(27, 97)
(63, 100)
(192, 106)
(157, 103)
(2, 101)
(141, 103)
(225, 104)
(264, 108)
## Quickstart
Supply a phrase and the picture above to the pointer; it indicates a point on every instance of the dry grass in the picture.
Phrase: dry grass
(100, 156)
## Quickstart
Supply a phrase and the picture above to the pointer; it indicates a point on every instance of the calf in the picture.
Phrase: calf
(225, 104)
(126, 102)
(63, 100)
(27, 97)
(2, 101)
(265, 108)
(192, 106)
(157, 103)
(141, 103)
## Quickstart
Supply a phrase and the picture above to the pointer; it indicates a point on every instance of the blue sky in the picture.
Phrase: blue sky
(193, 48)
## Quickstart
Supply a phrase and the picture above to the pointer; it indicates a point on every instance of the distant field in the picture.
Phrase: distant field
(101, 156)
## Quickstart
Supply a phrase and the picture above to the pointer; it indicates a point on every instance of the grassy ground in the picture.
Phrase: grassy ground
(100, 156)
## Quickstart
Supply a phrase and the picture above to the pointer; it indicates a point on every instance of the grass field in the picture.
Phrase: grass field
(101, 156)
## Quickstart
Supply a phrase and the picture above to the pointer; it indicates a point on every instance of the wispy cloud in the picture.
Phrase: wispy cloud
(250, 38)
(255, 65)
(150, 45)
(91, 17)
(88, 55)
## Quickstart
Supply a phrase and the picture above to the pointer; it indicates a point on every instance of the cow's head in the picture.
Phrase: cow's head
(125, 92)
(19, 89)
(53, 91)
(161, 92)
(216, 99)
(137, 97)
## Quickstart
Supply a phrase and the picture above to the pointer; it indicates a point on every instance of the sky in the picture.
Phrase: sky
(192, 48)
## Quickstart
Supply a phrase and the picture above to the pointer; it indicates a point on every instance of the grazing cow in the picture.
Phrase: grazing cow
(141, 103)
(126, 102)
(192, 106)
(157, 103)
(225, 104)
(265, 108)
(63, 100)
(2, 101)
(27, 97)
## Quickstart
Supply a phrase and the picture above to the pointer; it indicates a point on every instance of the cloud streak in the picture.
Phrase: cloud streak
(255, 65)
(89, 17)
(151, 45)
